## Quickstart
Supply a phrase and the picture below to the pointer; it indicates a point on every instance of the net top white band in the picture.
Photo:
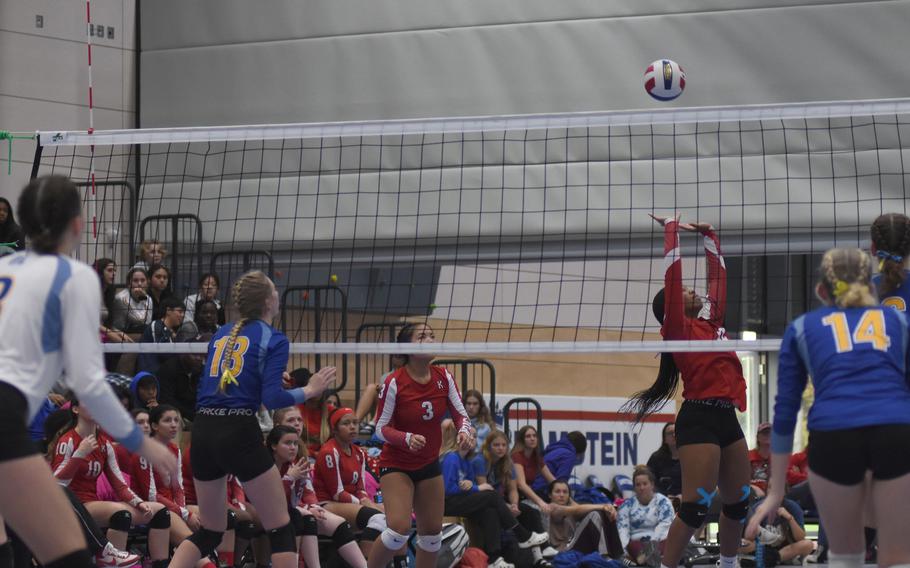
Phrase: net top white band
(460, 125)
(479, 348)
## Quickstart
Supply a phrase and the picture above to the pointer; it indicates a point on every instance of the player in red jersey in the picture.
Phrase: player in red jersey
(81, 454)
(340, 471)
(712, 450)
(412, 403)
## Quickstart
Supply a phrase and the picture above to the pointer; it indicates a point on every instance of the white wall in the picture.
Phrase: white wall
(43, 74)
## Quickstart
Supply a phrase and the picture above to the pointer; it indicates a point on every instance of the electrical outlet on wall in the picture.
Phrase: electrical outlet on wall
(110, 32)
(39, 21)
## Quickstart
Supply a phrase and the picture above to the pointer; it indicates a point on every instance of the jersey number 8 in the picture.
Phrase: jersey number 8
(236, 365)
(870, 329)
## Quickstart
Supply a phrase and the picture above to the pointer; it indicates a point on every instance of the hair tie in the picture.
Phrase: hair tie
(885, 255)
(840, 288)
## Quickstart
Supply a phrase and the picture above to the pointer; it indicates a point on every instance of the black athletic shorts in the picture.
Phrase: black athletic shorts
(15, 442)
(417, 475)
(229, 444)
(710, 421)
(844, 456)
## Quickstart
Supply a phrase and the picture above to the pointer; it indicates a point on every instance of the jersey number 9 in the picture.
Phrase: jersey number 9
(236, 364)
(870, 329)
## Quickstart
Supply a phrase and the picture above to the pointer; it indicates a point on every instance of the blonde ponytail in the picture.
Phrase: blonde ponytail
(847, 274)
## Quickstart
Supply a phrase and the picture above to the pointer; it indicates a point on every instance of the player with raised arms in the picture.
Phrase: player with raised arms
(712, 450)
(49, 309)
(891, 245)
(243, 371)
(412, 403)
(857, 354)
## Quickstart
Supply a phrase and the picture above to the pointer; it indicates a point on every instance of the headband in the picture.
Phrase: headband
(337, 414)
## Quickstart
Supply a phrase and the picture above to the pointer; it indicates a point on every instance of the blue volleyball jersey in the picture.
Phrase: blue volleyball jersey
(898, 299)
(260, 358)
(857, 358)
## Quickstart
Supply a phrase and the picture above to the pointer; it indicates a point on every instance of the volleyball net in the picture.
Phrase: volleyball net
(509, 235)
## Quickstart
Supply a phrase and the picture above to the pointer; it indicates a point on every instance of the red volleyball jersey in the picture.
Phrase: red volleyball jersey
(80, 472)
(705, 375)
(407, 407)
(157, 486)
(299, 492)
(339, 476)
(186, 470)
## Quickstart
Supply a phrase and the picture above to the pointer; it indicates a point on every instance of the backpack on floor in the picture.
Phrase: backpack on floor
(454, 544)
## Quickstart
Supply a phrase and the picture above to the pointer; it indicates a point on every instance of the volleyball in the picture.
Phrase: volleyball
(665, 80)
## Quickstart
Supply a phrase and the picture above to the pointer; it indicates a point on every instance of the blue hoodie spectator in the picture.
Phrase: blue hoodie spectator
(144, 387)
(456, 469)
(561, 458)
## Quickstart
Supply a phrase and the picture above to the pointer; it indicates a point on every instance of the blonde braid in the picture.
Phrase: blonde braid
(847, 275)
(249, 294)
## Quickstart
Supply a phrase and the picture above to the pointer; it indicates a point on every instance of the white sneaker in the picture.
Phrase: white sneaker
(501, 563)
(549, 552)
(536, 539)
(113, 557)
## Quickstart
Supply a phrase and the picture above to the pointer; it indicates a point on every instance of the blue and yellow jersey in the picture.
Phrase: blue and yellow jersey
(857, 358)
(259, 359)
(898, 299)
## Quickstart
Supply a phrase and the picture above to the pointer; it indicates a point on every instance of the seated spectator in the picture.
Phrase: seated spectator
(339, 480)
(481, 504)
(160, 289)
(527, 455)
(561, 457)
(479, 413)
(315, 413)
(583, 528)
(785, 539)
(178, 380)
(81, 453)
(162, 330)
(144, 387)
(132, 307)
(206, 322)
(494, 466)
(664, 463)
(106, 269)
(307, 516)
(150, 252)
(760, 459)
(644, 520)
(11, 235)
(209, 284)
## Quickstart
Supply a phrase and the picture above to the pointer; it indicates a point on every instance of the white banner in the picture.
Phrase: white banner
(615, 445)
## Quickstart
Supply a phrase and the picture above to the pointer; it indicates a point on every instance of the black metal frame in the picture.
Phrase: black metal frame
(522, 400)
(465, 364)
(317, 316)
(392, 328)
(175, 220)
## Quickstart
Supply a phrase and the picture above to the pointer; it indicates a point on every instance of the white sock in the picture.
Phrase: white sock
(836, 560)
(727, 561)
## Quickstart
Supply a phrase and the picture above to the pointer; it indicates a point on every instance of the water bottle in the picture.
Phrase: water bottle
(379, 496)
(759, 553)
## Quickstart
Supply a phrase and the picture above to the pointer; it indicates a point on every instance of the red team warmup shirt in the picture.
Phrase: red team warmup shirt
(152, 485)
(704, 375)
(339, 477)
(80, 473)
(299, 492)
(406, 407)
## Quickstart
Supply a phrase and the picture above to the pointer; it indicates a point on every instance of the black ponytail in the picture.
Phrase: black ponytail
(646, 402)
(45, 209)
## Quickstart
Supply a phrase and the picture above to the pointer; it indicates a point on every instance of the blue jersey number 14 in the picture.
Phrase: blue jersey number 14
(870, 329)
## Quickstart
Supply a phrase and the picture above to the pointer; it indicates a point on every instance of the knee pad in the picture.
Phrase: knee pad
(231, 520)
(736, 511)
(364, 515)
(283, 539)
(429, 542)
(342, 535)
(393, 540)
(693, 514)
(377, 523)
(161, 520)
(120, 521)
(205, 540)
(246, 530)
(309, 526)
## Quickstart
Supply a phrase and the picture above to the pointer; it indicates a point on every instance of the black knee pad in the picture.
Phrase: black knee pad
(78, 559)
(736, 511)
(283, 539)
(205, 540)
(693, 514)
(246, 530)
(342, 535)
(120, 521)
(369, 535)
(161, 520)
(364, 515)
(309, 526)
(231, 520)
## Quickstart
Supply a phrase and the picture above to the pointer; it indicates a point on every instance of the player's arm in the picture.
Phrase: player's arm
(456, 407)
(115, 477)
(272, 393)
(717, 274)
(385, 410)
(674, 310)
(361, 492)
(67, 463)
(84, 361)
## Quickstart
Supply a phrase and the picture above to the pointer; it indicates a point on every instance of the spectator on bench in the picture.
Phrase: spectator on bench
(527, 455)
(163, 330)
(644, 520)
(561, 457)
(583, 528)
(664, 463)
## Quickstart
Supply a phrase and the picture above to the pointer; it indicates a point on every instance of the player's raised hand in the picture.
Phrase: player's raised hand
(663, 220)
(698, 227)
(321, 380)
